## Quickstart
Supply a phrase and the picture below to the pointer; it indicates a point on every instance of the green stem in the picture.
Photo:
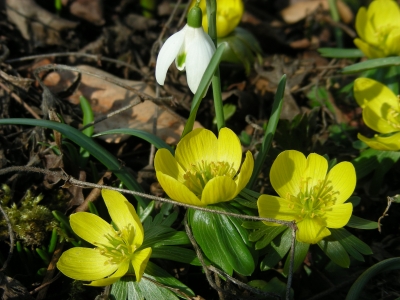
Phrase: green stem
(336, 17)
(270, 131)
(216, 81)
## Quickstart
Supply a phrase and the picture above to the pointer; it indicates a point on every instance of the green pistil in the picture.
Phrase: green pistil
(198, 175)
(314, 201)
(120, 248)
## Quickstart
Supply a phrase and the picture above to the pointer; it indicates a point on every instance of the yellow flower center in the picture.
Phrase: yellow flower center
(197, 176)
(312, 201)
(120, 248)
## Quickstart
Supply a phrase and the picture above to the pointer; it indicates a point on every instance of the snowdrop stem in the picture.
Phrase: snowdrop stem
(216, 81)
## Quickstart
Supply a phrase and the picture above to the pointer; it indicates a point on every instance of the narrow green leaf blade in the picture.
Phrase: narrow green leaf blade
(340, 53)
(148, 137)
(372, 64)
(360, 223)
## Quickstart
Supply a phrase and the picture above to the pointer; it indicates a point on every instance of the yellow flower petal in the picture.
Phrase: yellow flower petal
(339, 215)
(343, 180)
(229, 148)
(363, 27)
(85, 264)
(245, 172)
(91, 228)
(177, 190)
(123, 214)
(369, 50)
(392, 42)
(218, 189)
(287, 172)
(390, 143)
(166, 163)
(366, 90)
(198, 145)
(383, 12)
(316, 169)
(377, 115)
(311, 231)
(122, 270)
(275, 208)
(139, 262)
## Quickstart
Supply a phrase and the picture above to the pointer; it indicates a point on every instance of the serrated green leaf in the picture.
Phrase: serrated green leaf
(148, 137)
(221, 241)
(372, 64)
(335, 251)
(340, 53)
(183, 255)
(360, 223)
(276, 250)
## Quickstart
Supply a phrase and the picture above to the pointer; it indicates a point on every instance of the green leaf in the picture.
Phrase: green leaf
(349, 240)
(106, 158)
(88, 116)
(170, 239)
(179, 254)
(372, 64)
(355, 200)
(244, 138)
(148, 137)
(319, 97)
(383, 266)
(253, 225)
(335, 251)
(340, 53)
(300, 252)
(269, 235)
(276, 250)
(223, 241)
(270, 131)
(360, 223)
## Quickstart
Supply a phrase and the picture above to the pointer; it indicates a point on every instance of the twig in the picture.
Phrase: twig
(385, 213)
(11, 233)
(93, 56)
(69, 180)
(20, 101)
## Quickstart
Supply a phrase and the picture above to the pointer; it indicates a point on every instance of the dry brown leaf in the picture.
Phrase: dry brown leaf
(106, 97)
(89, 10)
(299, 10)
(35, 23)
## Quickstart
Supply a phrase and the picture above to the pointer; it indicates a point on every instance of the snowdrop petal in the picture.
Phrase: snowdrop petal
(168, 53)
(198, 56)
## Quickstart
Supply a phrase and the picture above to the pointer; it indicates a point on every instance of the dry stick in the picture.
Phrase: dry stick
(11, 233)
(95, 57)
(385, 213)
(69, 180)
(20, 101)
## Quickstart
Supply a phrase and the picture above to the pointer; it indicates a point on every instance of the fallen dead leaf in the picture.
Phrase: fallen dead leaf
(37, 24)
(89, 10)
(300, 10)
(106, 97)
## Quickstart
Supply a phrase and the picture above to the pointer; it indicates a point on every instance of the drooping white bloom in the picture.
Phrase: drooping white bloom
(192, 49)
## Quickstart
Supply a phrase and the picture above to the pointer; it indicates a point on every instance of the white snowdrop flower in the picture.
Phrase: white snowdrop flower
(191, 48)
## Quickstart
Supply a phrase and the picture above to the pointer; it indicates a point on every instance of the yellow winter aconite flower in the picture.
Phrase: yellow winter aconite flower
(379, 29)
(205, 170)
(229, 14)
(116, 250)
(381, 112)
(309, 195)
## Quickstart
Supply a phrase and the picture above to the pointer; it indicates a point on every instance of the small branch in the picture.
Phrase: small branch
(385, 213)
(69, 180)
